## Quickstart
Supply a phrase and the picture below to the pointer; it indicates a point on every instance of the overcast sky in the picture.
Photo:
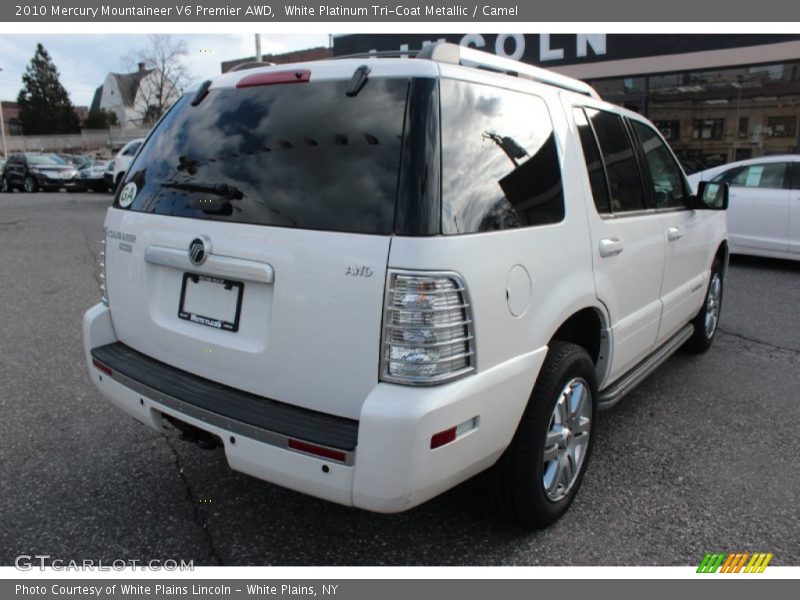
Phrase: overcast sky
(83, 60)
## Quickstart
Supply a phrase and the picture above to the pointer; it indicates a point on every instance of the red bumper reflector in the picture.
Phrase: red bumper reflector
(322, 451)
(275, 77)
(443, 437)
(105, 369)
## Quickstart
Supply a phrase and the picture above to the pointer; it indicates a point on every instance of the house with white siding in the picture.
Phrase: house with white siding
(137, 98)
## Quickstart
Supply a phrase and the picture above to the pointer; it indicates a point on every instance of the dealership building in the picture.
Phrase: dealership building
(716, 98)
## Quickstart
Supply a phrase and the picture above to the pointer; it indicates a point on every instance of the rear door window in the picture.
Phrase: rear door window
(624, 178)
(500, 165)
(594, 162)
(302, 155)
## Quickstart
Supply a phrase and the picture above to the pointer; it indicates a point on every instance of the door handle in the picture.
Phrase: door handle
(610, 247)
(673, 233)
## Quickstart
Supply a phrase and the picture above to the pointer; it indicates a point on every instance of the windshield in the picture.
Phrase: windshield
(302, 155)
(45, 160)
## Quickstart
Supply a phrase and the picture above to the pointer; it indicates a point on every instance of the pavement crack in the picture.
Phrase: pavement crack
(197, 514)
(773, 348)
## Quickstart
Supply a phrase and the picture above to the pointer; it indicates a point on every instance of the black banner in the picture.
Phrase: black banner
(463, 11)
(730, 588)
(560, 48)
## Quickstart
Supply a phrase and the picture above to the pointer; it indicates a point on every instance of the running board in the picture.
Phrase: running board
(618, 390)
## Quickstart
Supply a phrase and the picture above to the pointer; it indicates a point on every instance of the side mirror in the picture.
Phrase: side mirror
(710, 196)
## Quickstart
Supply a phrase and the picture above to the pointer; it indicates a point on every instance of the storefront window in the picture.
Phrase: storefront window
(744, 123)
(671, 130)
(707, 129)
(781, 126)
(715, 116)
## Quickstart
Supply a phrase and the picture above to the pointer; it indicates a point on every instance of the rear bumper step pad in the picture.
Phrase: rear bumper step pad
(226, 407)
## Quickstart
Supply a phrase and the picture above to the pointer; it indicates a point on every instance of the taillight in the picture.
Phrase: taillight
(427, 328)
(101, 274)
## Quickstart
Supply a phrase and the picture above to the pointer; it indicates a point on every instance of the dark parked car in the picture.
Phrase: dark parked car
(76, 160)
(30, 172)
(108, 175)
(91, 177)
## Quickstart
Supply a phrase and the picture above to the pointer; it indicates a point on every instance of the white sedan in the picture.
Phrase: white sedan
(764, 210)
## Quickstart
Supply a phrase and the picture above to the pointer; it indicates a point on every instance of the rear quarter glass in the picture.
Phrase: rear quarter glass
(500, 167)
(304, 156)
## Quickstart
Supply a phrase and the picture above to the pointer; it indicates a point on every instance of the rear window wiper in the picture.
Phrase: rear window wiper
(224, 190)
(357, 81)
(201, 93)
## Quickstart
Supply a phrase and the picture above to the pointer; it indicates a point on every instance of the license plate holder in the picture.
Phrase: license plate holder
(218, 304)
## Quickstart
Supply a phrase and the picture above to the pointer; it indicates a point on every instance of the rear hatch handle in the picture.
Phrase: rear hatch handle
(215, 264)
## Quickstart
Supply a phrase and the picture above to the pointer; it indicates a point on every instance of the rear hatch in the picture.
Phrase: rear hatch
(249, 241)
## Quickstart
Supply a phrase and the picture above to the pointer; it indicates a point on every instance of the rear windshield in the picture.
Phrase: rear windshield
(299, 155)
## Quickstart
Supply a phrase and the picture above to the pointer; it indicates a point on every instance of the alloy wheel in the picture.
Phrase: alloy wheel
(567, 439)
(713, 303)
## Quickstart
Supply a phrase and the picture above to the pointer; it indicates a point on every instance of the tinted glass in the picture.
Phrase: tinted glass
(726, 176)
(623, 173)
(301, 155)
(769, 175)
(594, 163)
(500, 166)
(46, 160)
(132, 150)
(795, 175)
(665, 175)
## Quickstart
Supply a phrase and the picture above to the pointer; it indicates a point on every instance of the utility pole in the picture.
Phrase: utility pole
(259, 58)
(3, 127)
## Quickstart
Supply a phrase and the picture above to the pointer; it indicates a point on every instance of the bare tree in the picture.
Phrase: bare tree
(162, 75)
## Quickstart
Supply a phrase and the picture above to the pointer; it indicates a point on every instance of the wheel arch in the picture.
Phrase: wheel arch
(589, 328)
(723, 254)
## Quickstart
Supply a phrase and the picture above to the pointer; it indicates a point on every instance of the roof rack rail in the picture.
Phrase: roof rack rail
(447, 52)
(378, 54)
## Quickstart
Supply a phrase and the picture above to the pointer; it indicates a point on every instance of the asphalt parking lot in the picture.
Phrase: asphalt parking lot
(701, 457)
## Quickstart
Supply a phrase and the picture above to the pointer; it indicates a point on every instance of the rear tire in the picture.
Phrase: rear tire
(707, 319)
(538, 476)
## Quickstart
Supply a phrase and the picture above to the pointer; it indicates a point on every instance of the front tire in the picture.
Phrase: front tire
(5, 186)
(30, 185)
(707, 319)
(538, 476)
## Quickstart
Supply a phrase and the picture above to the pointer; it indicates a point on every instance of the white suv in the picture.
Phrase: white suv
(369, 280)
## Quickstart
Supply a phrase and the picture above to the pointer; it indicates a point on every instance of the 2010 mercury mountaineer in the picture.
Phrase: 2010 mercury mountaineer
(371, 279)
